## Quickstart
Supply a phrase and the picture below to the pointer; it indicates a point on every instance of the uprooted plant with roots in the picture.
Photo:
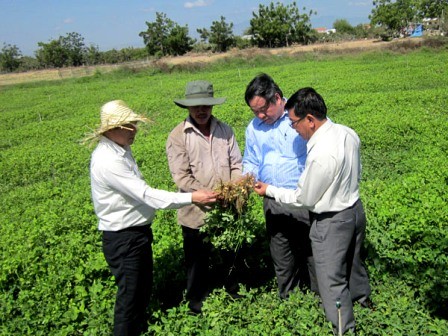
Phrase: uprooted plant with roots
(231, 222)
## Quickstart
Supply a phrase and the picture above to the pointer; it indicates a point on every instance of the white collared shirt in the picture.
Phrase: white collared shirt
(330, 181)
(121, 197)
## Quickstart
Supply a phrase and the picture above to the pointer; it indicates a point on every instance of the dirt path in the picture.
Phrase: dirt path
(55, 74)
(359, 45)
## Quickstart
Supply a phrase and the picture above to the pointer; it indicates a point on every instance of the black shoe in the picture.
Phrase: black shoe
(195, 307)
(367, 303)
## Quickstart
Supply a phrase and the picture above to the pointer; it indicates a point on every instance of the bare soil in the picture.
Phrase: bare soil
(56, 74)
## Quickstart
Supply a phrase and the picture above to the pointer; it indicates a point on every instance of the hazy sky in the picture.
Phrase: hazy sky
(116, 24)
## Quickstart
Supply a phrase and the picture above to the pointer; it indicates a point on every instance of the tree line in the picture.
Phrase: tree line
(271, 26)
(394, 15)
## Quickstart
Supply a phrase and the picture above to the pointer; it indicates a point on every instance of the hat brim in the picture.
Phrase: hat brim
(135, 118)
(184, 103)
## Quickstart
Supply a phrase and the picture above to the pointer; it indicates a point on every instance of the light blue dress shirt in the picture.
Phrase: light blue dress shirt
(274, 153)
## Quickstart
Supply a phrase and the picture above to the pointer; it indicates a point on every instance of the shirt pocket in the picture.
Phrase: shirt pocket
(221, 153)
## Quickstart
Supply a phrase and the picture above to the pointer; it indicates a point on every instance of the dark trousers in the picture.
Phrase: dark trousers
(201, 277)
(129, 256)
(197, 255)
(337, 239)
(290, 248)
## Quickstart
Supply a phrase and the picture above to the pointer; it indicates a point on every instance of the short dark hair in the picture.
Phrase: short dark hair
(262, 86)
(307, 101)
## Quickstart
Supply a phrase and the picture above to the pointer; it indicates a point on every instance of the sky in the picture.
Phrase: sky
(116, 24)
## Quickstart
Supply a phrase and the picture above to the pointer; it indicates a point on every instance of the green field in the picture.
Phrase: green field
(53, 277)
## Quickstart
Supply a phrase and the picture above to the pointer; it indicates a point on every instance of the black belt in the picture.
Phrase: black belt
(329, 214)
(141, 228)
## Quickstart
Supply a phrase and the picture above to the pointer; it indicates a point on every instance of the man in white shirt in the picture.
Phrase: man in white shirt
(329, 189)
(125, 205)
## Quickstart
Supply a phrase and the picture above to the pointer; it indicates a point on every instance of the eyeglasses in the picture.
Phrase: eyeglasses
(295, 122)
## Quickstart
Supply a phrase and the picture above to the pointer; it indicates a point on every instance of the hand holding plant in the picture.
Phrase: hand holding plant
(231, 222)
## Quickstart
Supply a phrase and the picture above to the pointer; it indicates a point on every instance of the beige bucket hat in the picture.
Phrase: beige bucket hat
(114, 114)
(199, 93)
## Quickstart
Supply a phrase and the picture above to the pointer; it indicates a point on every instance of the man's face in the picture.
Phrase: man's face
(200, 114)
(300, 125)
(123, 135)
(267, 111)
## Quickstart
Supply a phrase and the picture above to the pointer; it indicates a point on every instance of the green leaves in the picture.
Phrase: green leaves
(278, 25)
(53, 277)
(229, 230)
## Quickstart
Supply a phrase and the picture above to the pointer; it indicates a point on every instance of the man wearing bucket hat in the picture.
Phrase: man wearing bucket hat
(125, 205)
(202, 151)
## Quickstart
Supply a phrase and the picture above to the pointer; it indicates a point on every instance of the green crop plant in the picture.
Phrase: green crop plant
(53, 277)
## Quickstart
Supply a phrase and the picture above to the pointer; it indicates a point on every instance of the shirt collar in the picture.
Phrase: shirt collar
(318, 134)
(114, 146)
(189, 123)
(258, 122)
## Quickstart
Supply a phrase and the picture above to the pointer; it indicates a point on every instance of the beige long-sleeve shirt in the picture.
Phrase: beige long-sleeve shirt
(200, 162)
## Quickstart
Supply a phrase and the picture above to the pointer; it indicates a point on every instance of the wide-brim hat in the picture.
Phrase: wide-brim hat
(199, 93)
(114, 114)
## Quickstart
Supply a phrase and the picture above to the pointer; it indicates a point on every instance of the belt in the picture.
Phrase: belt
(139, 228)
(329, 214)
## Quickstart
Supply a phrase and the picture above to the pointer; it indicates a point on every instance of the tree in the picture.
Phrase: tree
(111, 56)
(221, 35)
(28, 63)
(178, 41)
(92, 55)
(343, 26)
(279, 25)
(204, 34)
(73, 43)
(10, 58)
(165, 37)
(67, 50)
(393, 15)
(51, 54)
(433, 8)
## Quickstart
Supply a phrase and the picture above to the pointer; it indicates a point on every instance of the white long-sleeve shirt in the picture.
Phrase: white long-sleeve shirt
(121, 197)
(330, 181)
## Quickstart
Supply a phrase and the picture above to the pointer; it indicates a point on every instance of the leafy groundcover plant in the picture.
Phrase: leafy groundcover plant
(53, 276)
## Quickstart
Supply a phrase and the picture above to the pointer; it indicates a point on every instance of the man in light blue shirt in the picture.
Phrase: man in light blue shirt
(276, 155)
(329, 189)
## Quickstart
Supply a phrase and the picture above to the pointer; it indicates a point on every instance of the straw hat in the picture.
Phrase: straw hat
(199, 93)
(114, 114)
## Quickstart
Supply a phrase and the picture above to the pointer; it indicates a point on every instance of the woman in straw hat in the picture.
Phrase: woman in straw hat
(202, 152)
(125, 205)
